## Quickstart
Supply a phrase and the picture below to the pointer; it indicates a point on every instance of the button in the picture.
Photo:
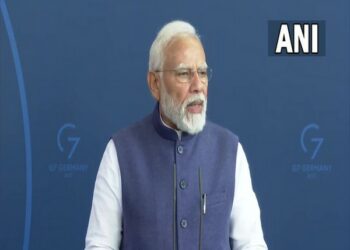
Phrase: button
(183, 223)
(180, 149)
(183, 184)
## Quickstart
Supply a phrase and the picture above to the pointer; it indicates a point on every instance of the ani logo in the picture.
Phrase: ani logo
(74, 141)
(311, 144)
(297, 38)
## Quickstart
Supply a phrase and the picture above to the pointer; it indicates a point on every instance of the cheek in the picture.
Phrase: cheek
(205, 92)
(183, 94)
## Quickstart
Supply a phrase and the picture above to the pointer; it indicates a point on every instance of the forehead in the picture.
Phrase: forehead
(184, 51)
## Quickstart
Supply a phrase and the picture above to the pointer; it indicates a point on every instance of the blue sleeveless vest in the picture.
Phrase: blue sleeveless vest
(176, 194)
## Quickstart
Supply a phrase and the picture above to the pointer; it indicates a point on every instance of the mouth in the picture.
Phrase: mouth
(195, 107)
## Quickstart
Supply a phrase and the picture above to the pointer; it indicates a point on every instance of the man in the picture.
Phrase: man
(175, 180)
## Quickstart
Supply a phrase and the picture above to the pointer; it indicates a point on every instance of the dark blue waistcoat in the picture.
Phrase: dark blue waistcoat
(176, 194)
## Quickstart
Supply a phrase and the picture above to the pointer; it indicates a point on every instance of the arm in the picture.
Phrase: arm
(105, 224)
(245, 225)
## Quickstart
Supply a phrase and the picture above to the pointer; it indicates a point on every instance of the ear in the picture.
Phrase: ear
(153, 84)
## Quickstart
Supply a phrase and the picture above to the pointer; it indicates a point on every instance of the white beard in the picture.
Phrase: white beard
(177, 113)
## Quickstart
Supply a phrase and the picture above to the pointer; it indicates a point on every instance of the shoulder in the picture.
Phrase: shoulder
(136, 129)
(212, 129)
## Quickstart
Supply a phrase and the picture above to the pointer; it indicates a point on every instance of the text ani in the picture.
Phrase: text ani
(305, 39)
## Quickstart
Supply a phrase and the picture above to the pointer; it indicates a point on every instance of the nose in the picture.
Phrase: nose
(196, 84)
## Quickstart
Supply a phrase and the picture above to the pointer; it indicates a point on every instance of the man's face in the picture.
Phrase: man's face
(183, 105)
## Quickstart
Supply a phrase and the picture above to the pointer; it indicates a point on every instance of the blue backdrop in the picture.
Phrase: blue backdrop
(74, 72)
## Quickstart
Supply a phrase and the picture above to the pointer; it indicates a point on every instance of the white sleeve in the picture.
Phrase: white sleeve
(245, 224)
(105, 224)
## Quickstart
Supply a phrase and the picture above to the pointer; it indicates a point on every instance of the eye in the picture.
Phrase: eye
(183, 73)
(202, 73)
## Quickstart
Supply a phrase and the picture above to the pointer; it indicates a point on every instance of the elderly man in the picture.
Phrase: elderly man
(175, 180)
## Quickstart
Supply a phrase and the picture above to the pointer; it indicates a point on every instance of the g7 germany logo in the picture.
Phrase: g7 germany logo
(316, 141)
(74, 141)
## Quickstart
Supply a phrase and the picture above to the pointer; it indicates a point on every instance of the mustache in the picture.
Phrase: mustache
(195, 99)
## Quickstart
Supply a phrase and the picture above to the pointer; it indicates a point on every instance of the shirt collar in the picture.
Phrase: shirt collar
(178, 132)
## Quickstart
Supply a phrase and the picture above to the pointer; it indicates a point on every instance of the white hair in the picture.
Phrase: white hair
(176, 112)
(169, 31)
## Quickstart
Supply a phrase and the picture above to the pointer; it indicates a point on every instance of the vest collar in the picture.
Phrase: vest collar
(164, 131)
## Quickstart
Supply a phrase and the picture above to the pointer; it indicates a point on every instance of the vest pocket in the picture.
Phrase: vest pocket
(216, 198)
(216, 222)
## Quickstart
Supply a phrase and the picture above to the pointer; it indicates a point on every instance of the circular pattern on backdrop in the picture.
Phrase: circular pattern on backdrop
(26, 124)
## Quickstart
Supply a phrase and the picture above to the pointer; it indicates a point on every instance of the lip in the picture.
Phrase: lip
(195, 107)
(196, 102)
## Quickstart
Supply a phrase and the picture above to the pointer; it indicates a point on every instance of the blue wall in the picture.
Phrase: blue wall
(73, 72)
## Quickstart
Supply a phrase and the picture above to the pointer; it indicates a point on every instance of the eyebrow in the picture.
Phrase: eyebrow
(185, 66)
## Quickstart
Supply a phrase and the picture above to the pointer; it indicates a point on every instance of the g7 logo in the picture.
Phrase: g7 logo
(73, 140)
(316, 140)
